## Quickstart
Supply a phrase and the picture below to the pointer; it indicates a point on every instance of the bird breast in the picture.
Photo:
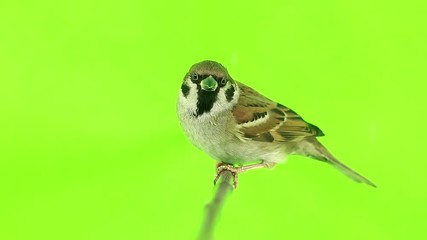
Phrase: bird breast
(218, 136)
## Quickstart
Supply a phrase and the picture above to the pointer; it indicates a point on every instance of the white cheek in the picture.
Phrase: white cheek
(188, 104)
(222, 103)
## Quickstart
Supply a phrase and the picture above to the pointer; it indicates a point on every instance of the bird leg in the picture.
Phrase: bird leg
(236, 170)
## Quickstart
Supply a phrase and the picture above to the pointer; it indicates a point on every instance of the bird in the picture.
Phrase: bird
(241, 128)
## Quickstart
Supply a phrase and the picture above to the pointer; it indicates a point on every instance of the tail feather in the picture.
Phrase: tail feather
(350, 172)
(317, 151)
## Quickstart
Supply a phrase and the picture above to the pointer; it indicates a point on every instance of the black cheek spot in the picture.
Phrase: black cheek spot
(185, 89)
(229, 94)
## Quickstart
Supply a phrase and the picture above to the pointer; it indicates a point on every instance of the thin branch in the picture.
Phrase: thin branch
(224, 187)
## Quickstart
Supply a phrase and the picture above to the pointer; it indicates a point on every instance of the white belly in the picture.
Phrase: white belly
(217, 137)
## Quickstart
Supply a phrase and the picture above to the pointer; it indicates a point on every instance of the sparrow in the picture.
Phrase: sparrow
(242, 129)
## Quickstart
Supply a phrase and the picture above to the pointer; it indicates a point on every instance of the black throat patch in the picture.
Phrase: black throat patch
(205, 100)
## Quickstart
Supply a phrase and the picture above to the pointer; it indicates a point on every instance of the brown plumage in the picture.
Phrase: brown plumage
(273, 122)
(280, 124)
(239, 127)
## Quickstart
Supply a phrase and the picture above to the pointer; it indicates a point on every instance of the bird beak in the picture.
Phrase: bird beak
(209, 84)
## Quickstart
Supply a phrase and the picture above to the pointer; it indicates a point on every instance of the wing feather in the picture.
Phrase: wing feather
(261, 119)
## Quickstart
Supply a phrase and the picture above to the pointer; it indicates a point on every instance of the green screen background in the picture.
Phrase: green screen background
(91, 148)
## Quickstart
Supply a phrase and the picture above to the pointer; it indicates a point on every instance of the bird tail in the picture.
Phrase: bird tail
(317, 151)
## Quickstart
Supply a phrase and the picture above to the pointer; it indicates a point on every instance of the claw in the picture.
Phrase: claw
(234, 172)
(220, 167)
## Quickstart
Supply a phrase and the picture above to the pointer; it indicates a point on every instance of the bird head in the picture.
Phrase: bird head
(207, 88)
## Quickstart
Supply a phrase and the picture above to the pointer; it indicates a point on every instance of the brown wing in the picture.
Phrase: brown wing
(261, 119)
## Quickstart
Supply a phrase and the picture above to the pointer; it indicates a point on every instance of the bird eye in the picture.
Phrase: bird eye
(223, 81)
(194, 77)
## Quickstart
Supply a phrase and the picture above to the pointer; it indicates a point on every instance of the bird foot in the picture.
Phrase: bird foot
(226, 167)
(221, 167)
